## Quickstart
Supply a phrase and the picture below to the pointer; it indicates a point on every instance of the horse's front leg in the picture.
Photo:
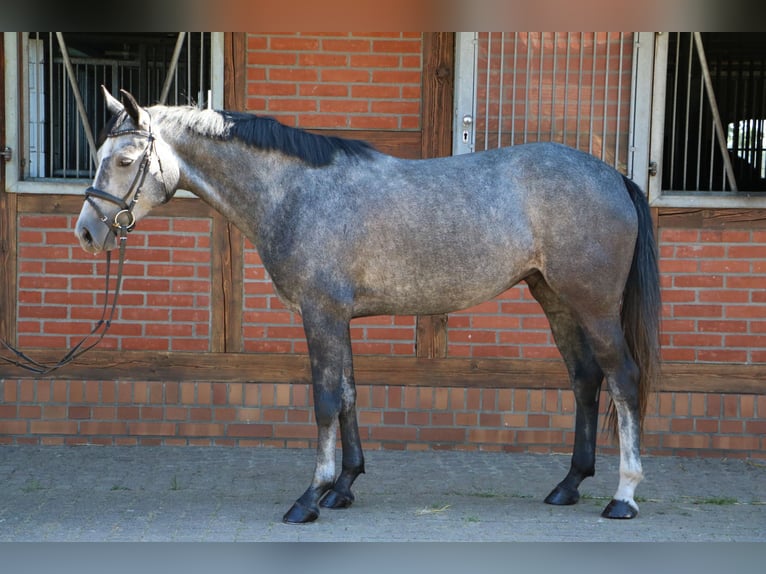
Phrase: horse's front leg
(353, 458)
(330, 353)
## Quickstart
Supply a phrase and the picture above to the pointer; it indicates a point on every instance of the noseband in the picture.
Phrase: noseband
(118, 227)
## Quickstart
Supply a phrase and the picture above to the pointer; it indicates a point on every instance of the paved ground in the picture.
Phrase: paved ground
(230, 494)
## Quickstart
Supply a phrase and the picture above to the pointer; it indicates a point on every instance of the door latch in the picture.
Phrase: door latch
(6, 153)
(467, 126)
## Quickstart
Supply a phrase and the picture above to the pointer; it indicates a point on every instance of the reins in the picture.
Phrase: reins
(121, 230)
(24, 361)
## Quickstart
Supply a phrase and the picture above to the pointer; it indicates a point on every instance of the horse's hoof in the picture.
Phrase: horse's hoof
(619, 509)
(561, 496)
(335, 499)
(300, 514)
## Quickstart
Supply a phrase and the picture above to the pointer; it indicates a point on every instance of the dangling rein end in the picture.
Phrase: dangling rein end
(25, 362)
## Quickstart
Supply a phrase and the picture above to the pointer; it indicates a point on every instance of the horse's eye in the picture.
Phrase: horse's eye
(125, 161)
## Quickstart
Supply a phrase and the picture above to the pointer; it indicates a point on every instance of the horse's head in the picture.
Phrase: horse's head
(136, 172)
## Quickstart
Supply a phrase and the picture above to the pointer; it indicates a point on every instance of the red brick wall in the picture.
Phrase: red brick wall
(165, 299)
(713, 291)
(336, 80)
(390, 417)
(511, 326)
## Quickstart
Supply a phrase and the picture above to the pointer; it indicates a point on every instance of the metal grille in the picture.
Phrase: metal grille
(572, 88)
(140, 63)
(715, 118)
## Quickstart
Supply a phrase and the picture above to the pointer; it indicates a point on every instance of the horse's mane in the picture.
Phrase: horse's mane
(268, 134)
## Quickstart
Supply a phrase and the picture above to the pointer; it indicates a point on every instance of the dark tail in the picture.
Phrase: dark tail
(641, 303)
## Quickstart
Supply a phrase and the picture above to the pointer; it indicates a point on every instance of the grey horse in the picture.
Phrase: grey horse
(345, 231)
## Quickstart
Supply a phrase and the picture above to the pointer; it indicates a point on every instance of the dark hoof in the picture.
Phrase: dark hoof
(299, 514)
(337, 500)
(619, 509)
(561, 496)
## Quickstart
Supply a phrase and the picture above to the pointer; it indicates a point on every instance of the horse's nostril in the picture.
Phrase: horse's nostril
(87, 237)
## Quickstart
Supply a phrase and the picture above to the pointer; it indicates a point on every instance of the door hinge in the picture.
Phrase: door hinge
(6, 153)
(653, 168)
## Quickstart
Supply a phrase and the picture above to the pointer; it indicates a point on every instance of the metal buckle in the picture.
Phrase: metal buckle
(130, 225)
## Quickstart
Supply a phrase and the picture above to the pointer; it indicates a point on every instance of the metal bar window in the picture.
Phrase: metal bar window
(56, 137)
(715, 113)
(572, 88)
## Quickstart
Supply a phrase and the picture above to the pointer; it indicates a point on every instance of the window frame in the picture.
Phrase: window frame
(659, 197)
(17, 127)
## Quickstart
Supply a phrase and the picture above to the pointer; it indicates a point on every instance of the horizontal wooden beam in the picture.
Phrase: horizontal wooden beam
(694, 218)
(71, 204)
(378, 370)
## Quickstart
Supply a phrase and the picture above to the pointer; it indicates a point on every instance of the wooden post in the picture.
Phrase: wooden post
(436, 141)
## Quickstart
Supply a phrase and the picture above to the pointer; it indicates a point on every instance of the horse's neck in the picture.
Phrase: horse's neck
(238, 181)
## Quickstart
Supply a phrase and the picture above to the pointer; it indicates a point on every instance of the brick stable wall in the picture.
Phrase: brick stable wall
(714, 295)
(511, 326)
(336, 80)
(390, 417)
(165, 300)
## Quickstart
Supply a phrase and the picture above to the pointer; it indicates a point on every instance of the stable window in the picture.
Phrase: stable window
(54, 106)
(711, 110)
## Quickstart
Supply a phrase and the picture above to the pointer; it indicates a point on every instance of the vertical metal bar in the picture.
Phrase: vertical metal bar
(77, 69)
(500, 103)
(173, 65)
(754, 119)
(605, 119)
(188, 72)
(674, 123)
(51, 127)
(78, 99)
(712, 156)
(699, 135)
(94, 98)
(686, 124)
(619, 103)
(526, 87)
(540, 89)
(714, 107)
(737, 126)
(553, 87)
(487, 86)
(579, 89)
(592, 94)
(39, 103)
(566, 87)
(201, 98)
(513, 90)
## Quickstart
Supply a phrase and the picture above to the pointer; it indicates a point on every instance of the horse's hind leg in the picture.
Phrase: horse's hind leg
(622, 376)
(585, 376)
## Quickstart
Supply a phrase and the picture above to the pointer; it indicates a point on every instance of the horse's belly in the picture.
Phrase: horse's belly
(424, 292)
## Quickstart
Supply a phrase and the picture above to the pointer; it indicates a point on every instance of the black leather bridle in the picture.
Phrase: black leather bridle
(123, 222)
(126, 209)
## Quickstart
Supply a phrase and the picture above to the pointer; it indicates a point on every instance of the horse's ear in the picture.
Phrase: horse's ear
(138, 114)
(112, 104)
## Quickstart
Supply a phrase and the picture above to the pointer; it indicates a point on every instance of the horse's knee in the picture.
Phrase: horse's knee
(327, 405)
